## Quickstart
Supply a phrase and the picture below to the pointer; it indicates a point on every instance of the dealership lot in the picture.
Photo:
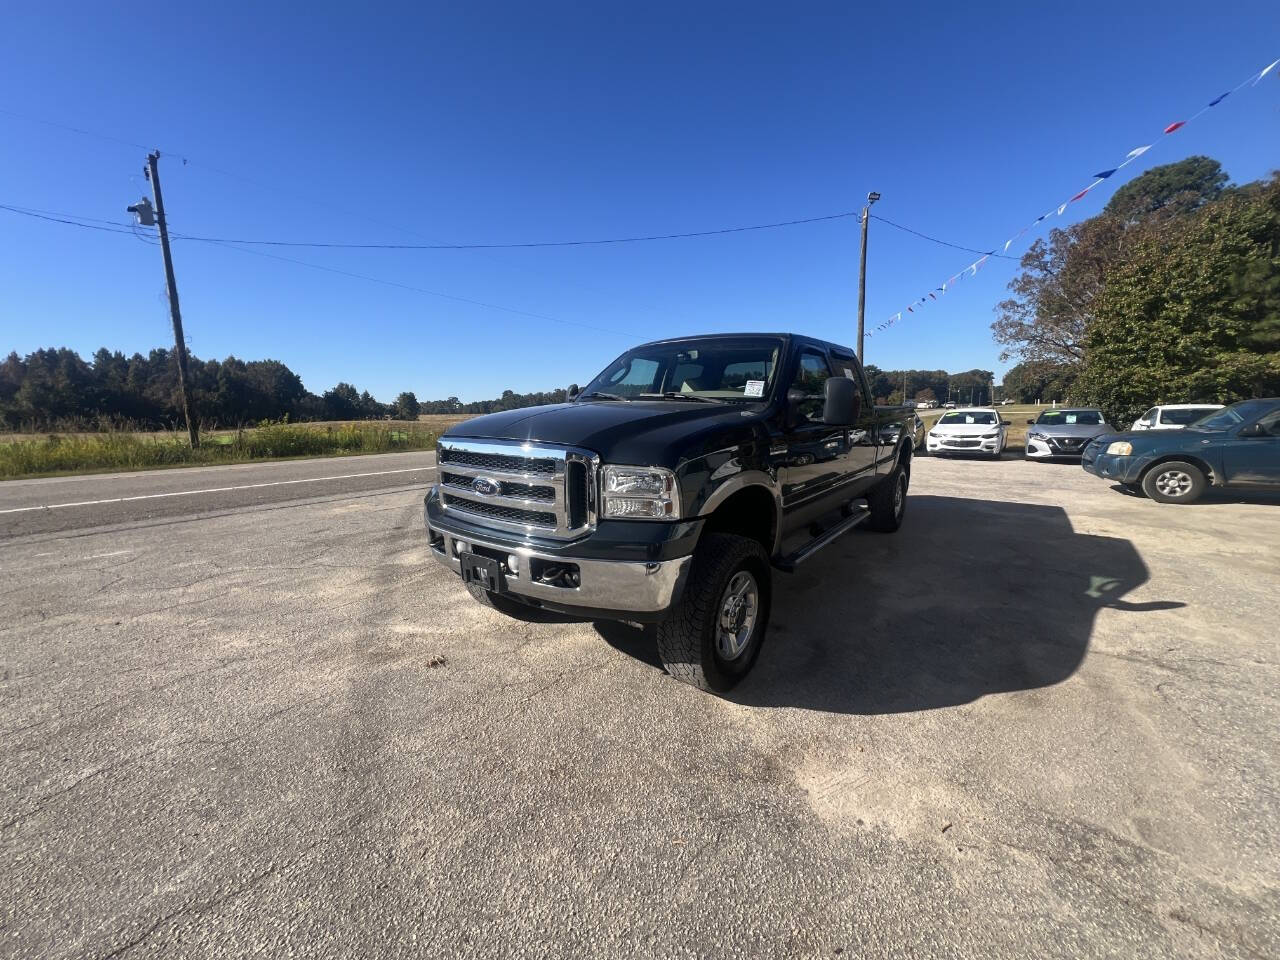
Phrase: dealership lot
(1038, 721)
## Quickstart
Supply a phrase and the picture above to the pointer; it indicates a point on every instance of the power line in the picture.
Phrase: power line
(925, 236)
(513, 246)
(129, 229)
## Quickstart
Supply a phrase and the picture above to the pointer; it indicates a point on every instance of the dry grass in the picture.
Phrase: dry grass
(52, 454)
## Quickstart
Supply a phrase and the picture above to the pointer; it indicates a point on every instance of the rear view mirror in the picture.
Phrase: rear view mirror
(843, 402)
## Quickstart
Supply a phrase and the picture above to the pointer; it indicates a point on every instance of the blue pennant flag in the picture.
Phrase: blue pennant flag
(1105, 173)
(1214, 103)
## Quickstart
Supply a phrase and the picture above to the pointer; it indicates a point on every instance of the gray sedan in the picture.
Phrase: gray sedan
(1064, 432)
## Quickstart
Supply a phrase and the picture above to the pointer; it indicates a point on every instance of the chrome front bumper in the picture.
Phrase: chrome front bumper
(604, 586)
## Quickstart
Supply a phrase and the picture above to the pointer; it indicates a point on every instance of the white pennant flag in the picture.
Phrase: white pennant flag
(1265, 70)
(1137, 152)
(1062, 208)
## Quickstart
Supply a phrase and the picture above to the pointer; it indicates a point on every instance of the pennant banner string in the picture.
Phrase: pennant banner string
(973, 268)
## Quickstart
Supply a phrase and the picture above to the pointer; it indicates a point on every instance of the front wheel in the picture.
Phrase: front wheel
(1174, 482)
(711, 638)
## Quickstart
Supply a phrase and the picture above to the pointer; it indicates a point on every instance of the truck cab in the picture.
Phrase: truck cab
(670, 489)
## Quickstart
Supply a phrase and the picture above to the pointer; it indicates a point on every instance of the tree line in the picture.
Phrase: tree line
(968, 387)
(56, 389)
(1171, 294)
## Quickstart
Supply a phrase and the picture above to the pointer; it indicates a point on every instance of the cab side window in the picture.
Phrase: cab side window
(811, 382)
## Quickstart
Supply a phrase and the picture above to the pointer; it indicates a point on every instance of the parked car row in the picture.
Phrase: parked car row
(1229, 447)
(1172, 453)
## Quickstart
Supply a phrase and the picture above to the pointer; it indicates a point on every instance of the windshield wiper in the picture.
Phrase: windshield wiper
(672, 395)
(597, 395)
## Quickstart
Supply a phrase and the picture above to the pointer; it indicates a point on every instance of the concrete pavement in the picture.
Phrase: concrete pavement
(1038, 721)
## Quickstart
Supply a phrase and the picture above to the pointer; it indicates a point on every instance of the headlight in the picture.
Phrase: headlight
(991, 436)
(1121, 448)
(1037, 436)
(639, 493)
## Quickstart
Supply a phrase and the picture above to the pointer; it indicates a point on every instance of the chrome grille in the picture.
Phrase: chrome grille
(531, 488)
(497, 461)
(508, 488)
(532, 518)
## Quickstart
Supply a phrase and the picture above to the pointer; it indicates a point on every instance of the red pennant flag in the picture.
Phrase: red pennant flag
(1078, 195)
(1175, 126)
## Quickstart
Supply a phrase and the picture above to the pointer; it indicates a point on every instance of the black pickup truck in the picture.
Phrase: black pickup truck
(668, 488)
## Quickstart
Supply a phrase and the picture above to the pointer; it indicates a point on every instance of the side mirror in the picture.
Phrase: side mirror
(1253, 430)
(573, 391)
(843, 403)
(1031, 421)
(1006, 423)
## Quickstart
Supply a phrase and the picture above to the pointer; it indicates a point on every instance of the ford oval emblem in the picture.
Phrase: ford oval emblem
(486, 487)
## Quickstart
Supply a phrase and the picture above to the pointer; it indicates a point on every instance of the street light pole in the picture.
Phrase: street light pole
(872, 197)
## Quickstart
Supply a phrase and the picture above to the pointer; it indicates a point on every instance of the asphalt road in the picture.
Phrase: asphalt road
(1038, 721)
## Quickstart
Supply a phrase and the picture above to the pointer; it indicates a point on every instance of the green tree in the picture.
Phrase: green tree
(1169, 190)
(407, 406)
(1194, 311)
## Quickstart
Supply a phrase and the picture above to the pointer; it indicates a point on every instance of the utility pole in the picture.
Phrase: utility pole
(904, 388)
(872, 197)
(152, 172)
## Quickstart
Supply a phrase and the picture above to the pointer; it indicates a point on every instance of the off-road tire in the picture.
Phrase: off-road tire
(1160, 481)
(887, 510)
(686, 636)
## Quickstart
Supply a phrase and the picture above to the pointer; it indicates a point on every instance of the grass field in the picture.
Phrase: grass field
(27, 455)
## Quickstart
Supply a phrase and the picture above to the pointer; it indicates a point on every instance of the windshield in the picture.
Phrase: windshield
(1051, 418)
(732, 369)
(968, 417)
(1230, 416)
(1185, 415)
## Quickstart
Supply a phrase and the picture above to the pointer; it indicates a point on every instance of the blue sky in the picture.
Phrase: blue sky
(512, 122)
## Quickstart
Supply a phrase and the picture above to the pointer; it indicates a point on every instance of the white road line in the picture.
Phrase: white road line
(191, 493)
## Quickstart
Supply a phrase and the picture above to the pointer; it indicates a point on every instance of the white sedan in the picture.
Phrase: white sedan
(1173, 416)
(971, 430)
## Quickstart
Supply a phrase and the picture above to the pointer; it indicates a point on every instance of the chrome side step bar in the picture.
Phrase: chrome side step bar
(789, 563)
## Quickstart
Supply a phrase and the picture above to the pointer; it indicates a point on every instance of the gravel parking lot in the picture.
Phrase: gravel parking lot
(1039, 721)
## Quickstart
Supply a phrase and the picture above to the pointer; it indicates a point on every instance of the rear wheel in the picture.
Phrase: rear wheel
(1174, 482)
(888, 501)
(711, 638)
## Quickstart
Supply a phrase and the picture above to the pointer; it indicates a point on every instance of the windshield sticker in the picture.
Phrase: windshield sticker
(754, 388)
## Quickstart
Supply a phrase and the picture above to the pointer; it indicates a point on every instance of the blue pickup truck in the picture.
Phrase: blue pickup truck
(1236, 447)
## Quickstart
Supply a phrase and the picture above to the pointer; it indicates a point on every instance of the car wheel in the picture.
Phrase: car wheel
(711, 638)
(1174, 482)
(888, 501)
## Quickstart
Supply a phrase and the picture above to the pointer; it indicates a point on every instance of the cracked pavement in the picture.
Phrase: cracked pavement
(1038, 721)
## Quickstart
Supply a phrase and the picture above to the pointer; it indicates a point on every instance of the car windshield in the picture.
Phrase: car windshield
(1052, 418)
(729, 369)
(968, 416)
(1185, 415)
(1230, 416)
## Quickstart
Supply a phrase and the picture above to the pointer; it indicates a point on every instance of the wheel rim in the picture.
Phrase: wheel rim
(1174, 483)
(900, 495)
(739, 607)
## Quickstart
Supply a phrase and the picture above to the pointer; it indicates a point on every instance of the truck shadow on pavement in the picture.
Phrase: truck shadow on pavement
(969, 598)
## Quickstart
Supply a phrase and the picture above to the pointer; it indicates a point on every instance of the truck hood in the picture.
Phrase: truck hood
(635, 432)
(1168, 441)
